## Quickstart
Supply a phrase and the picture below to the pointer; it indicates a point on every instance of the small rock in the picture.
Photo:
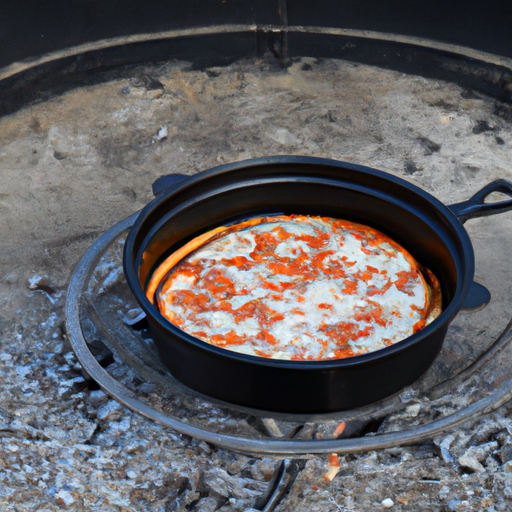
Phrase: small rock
(64, 497)
(263, 469)
(444, 492)
(69, 357)
(213, 72)
(471, 463)
(410, 167)
(407, 457)
(454, 505)
(148, 83)
(506, 453)
(507, 466)
(408, 395)
(481, 127)
(207, 505)
(97, 398)
(110, 411)
(123, 425)
(162, 133)
(23, 370)
(219, 481)
(284, 136)
(40, 282)
(413, 410)
(204, 448)
(272, 427)
(60, 155)
(444, 447)
(10, 278)
(481, 452)
(387, 503)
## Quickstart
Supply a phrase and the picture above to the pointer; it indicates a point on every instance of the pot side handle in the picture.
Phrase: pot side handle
(167, 181)
(478, 295)
(476, 207)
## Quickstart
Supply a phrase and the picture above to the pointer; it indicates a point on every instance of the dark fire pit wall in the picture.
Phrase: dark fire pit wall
(60, 43)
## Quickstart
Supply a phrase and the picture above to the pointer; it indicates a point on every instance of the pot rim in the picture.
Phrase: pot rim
(464, 274)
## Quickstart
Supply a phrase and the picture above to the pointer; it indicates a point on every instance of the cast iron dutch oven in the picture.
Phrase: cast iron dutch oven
(432, 232)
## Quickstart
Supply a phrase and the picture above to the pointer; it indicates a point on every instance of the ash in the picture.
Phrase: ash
(75, 165)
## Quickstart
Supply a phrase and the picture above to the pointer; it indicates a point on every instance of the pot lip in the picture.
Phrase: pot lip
(162, 324)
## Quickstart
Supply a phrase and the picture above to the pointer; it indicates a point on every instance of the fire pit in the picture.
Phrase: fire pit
(446, 130)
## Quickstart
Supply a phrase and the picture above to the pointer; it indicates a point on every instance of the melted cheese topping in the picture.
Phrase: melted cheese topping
(295, 287)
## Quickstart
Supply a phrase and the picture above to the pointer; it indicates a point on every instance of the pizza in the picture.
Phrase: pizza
(296, 287)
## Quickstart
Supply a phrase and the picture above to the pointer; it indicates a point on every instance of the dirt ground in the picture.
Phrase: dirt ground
(74, 165)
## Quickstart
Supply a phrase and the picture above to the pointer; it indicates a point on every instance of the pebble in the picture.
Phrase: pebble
(40, 282)
(481, 452)
(263, 469)
(387, 503)
(471, 463)
(207, 505)
(506, 453)
(112, 411)
(444, 447)
(413, 410)
(229, 486)
(97, 398)
(63, 497)
(454, 505)
(507, 466)
(284, 136)
(162, 133)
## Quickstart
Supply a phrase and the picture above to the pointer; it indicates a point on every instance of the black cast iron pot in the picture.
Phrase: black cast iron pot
(432, 232)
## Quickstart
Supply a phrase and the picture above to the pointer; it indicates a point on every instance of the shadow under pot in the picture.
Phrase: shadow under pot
(186, 207)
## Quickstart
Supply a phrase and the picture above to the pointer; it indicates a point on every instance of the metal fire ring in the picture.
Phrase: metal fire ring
(278, 446)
